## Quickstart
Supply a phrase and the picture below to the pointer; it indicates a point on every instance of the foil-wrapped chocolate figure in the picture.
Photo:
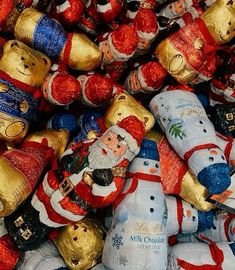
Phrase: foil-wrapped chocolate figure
(81, 244)
(188, 129)
(90, 175)
(189, 54)
(203, 255)
(22, 70)
(20, 169)
(75, 50)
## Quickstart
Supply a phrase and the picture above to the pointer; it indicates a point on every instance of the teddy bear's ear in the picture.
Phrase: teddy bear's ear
(11, 45)
(46, 61)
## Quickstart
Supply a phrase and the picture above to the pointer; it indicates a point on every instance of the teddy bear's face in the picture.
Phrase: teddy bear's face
(81, 244)
(23, 63)
(220, 20)
(125, 105)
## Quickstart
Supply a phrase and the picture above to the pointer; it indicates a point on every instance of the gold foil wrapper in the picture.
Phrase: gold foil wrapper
(14, 188)
(220, 20)
(191, 190)
(81, 244)
(24, 64)
(84, 54)
(26, 24)
(57, 139)
(124, 105)
(174, 62)
(12, 129)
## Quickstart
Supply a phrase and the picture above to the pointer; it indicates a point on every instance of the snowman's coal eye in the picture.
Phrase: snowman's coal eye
(222, 157)
(156, 165)
(146, 163)
(194, 218)
(211, 159)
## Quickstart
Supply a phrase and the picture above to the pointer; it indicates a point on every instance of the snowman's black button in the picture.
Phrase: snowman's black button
(151, 210)
(204, 130)
(152, 198)
(201, 122)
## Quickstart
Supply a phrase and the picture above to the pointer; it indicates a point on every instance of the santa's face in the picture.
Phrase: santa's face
(114, 143)
(179, 7)
(108, 56)
(107, 151)
(133, 82)
(143, 43)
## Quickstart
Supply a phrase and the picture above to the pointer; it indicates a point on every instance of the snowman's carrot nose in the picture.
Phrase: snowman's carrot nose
(188, 213)
(152, 170)
(213, 152)
(233, 230)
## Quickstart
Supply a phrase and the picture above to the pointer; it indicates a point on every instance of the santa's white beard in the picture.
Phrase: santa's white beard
(97, 160)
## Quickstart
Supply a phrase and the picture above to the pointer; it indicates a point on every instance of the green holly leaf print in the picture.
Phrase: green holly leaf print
(176, 130)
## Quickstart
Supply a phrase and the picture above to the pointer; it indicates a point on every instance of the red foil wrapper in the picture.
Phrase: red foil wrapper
(61, 89)
(109, 9)
(9, 255)
(96, 89)
(68, 11)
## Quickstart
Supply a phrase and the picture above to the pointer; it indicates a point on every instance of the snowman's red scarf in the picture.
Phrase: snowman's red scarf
(226, 226)
(134, 184)
(180, 212)
(229, 145)
(189, 153)
(216, 254)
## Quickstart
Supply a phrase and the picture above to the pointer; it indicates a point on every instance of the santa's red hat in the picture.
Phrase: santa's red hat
(62, 89)
(96, 89)
(132, 130)
(183, 87)
(151, 75)
(109, 9)
(146, 24)
(123, 42)
(69, 11)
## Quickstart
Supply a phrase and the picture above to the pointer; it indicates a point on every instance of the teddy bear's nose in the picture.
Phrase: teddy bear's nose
(26, 66)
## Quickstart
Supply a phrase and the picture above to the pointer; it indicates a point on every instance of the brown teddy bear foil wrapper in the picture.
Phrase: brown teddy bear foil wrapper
(81, 244)
(189, 54)
(22, 70)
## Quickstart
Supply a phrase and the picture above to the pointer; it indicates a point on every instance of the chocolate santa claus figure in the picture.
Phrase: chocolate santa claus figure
(108, 9)
(138, 235)
(90, 175)
(202, 256)
(183, 118)
(147, 78)
(59, 87)
(147, 29)
(68, 12)
(96, 89)
(117, 48)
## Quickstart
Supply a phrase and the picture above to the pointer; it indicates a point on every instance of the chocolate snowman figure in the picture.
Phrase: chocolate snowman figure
(183, 118)
(138, 238)
(184, 217)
